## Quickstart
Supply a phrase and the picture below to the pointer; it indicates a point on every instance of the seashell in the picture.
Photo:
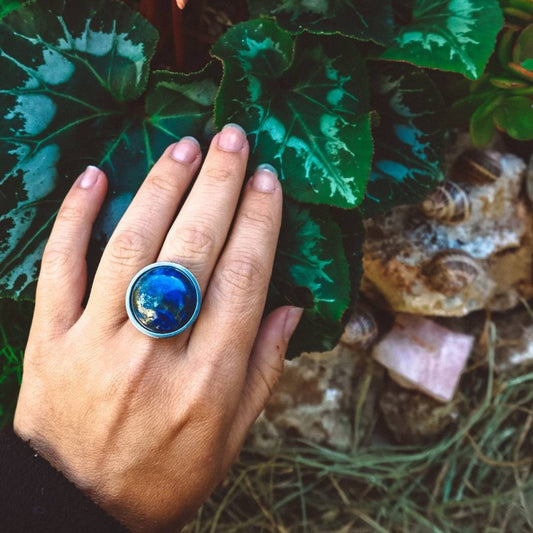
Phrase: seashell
(362, 330)
(448, 203)
(477, 166)
(450, 271)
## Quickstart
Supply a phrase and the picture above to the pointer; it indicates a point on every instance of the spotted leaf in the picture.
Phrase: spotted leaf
(304, 103)
(365, 19)
(74, 92)
(409, 137)
(452, 35)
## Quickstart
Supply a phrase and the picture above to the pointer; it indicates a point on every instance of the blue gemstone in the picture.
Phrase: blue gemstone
(164, 299)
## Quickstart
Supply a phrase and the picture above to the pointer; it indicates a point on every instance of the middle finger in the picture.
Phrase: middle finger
(198, 234)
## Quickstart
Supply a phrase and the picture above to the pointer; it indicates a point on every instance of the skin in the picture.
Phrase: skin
(148, 427)
(181, 3)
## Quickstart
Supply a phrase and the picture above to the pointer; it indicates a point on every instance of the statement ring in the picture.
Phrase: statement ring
(163, 299)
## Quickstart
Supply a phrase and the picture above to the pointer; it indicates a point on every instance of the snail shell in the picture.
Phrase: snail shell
(450, 271)
(477, 166)
(361, 330)
(448, 203)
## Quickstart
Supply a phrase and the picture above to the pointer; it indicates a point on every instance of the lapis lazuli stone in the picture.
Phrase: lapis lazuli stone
(164, 299)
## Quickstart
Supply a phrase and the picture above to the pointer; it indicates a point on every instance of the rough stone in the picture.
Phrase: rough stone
(319, 399)
(419, 354)
(513, 348)
(498, 236)
(413, 417)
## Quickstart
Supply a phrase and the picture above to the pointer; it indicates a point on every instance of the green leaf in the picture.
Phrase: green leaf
(67, 68)
(73, 75)
(410, 138)
(176, 105)
(482, 127)
(523, 49)
(304, 102)
(365, 19)
(312, 271)
(515, 116)
(452, 35)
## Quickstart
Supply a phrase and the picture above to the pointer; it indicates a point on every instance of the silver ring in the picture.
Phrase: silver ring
(163, 299)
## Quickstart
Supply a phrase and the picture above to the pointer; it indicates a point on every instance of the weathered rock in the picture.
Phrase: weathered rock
(318, 399)
(419, 354)
(491, 252)
(413, 417)
(513, 344)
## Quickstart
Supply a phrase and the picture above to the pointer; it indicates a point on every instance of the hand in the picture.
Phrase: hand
(148, 427)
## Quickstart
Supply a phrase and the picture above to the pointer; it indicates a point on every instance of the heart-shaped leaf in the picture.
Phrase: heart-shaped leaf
(453, 35)
(365, 19)
(304, 102)
(409, 139)
(51, 53)
(312, 271)
(69, 96)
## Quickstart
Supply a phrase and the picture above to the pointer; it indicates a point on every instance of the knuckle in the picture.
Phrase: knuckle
(244, 275)
(195, 242)
(56, 258)
(162, 185)
(219, 175)
(69, 215)
(127, 246)
(263, 221)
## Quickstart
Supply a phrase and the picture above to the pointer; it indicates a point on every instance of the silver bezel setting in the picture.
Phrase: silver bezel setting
(188, 274)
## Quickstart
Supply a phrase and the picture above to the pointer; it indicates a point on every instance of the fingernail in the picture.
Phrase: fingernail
(186, 150)
(89, 177)
(265, 179)
(231, 138)
(292, 318)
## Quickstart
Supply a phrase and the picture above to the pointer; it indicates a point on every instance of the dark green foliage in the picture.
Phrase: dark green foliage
(77, 89)
(503, 98)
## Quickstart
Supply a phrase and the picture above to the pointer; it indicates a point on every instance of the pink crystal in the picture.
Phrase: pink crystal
(422, 355)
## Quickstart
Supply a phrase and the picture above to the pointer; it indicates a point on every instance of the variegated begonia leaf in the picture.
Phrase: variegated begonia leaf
(452, 35)
(409, 137)
(365, 19)
(304, 103)
(73, 74)
(312, 270)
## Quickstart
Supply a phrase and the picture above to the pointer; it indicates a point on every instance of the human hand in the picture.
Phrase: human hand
(148, 427)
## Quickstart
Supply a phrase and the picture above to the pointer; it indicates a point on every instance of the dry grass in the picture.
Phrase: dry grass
(476, 479)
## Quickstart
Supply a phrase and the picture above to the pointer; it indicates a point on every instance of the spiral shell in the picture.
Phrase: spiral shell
(361, 330)
(477, 166)
(450, 271)
(448, 203)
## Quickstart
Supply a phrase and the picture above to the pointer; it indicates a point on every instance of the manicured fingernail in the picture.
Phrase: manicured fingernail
(89, 177)
(265, 179)
(292, 318)
(186, 150)
(232, 138)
